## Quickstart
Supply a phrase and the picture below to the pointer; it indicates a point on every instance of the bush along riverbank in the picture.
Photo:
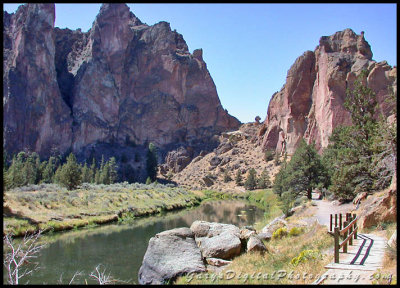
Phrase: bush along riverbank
(49, 207)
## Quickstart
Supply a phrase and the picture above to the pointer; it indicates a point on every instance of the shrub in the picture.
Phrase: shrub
(295, 231)
(304, 256)
(269, 155)
(279, 233)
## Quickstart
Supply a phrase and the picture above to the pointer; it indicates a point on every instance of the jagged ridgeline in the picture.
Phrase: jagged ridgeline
(121, 84)
(310, 104)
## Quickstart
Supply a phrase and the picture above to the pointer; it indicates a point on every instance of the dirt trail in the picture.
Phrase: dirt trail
(324, 208)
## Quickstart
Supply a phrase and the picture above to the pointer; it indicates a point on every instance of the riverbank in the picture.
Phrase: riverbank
(49, 207)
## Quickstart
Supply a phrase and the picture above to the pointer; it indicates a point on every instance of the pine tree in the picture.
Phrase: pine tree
(49, 170)
(93, 171)
(105, 174)
(250, 183)
(86, 174)
(151, 162)
(238, 178)
(351, 150)
(15, 174)
(113, 170)
(303, 173)
(263, 181)
(70, 173)
(227, 178)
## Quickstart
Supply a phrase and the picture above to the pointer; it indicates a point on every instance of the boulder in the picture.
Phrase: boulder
(177, 160)
(217, 262)
(265, 235)
(360, 196)
(217, 240)
(223, 148)
(208, 181)
(245, 233)
(214, 161)
(254, 244)
(170, 254)
(274, 225)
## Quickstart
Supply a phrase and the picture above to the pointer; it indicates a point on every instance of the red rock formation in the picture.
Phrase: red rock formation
(122, 81)
(35, 115)
(310, 104)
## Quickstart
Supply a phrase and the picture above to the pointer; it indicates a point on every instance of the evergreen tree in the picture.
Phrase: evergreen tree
(303, 173)
(351, 150)
(93, 171)
(227, 178)
(287, 201)
(70, 173)
(276, 159)
(151, 162)
(105, 174)
(148, 181)
(263, 182)
(269, 155)
(280, 182)
(49, 170)
(238, 178)
(113, 170)
(86, 177)
(250, 183)
(14, 173)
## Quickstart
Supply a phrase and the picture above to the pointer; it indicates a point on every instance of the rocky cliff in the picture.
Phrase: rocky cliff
(122, 82)
(310, 104)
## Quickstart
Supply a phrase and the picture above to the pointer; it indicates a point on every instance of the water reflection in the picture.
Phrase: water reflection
(121, 247)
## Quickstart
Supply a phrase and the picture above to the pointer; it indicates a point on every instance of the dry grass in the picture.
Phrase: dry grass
(56, 208)
(274, 267)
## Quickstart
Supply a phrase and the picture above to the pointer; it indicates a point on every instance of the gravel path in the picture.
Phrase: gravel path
(324, 208)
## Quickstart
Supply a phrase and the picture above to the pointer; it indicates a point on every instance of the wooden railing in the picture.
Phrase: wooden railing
(347, 229)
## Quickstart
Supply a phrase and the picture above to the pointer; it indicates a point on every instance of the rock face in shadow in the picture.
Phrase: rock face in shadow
(35, 115)
(170, 254)
(121, 82)
(310, 104)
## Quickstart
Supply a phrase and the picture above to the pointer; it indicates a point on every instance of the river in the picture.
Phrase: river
(120, 247)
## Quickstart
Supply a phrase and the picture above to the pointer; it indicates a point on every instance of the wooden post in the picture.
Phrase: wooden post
(355, 225)
(350, 230)
(340, 221)
(335, 220)
(345, 236)
(330, 222)
(336, 236)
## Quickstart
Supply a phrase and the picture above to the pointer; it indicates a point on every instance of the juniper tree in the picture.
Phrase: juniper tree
(251, 183)
(151, 162)
(263, 181)
(238, 178)
(351, 149)
(70, 173)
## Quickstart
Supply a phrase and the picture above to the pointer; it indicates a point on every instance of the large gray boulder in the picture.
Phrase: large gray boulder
(254, 244)
(169, 254)
(217, 240)
(274, 225)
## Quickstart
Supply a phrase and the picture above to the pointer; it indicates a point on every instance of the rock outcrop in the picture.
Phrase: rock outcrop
(35, 115)
(310, 104)
(121, 82)
(170, 254)
(217, 240)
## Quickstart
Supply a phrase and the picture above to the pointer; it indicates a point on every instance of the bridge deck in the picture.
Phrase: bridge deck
(356, 267)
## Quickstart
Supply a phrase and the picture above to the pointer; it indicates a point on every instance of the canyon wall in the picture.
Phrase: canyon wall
(310, 104)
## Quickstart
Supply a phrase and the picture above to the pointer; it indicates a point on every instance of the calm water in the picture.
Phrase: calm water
(120, 247)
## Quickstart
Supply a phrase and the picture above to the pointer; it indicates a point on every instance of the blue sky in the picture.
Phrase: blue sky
(249, 48)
